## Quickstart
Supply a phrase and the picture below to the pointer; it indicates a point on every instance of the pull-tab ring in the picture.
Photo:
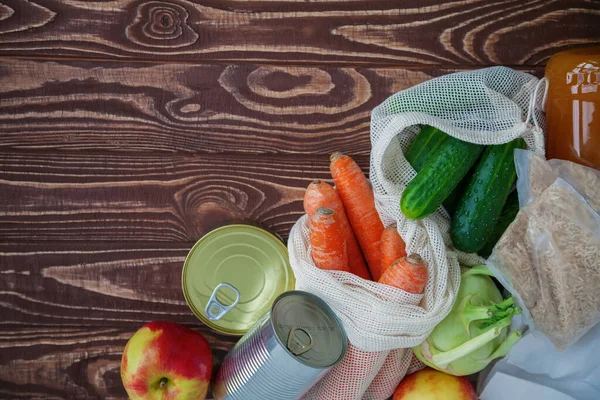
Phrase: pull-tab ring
(215, 310)
(295, 346)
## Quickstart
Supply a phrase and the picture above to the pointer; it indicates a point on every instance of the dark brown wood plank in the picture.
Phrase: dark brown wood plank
(93, 283)
(472, 32)
(84, 196)
(78, 362)
(62, 362)
(186, 108)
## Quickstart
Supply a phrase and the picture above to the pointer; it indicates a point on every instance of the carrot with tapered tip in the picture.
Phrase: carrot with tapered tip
(321, 194)
(359, 202)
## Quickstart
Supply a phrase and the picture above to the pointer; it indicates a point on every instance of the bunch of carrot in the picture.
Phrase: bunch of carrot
(345, 231)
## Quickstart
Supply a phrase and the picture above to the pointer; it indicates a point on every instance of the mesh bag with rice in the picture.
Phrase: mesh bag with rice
(489, 106)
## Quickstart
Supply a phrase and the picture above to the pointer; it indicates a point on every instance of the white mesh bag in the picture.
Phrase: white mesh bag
(488, 106)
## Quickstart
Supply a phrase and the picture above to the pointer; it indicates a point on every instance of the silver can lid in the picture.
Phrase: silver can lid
(308, 329)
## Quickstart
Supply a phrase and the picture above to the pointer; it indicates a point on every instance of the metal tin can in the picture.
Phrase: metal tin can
(285, 353)
(232, 276)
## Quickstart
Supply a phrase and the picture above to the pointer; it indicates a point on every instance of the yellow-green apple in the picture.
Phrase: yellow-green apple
(430, 384)
(166, 361)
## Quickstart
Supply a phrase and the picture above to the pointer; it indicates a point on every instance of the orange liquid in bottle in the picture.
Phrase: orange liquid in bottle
(573, 106)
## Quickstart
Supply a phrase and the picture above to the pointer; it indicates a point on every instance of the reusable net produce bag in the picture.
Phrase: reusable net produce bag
(489, 106)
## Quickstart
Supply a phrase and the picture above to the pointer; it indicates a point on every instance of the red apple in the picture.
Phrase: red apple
(165, 360)
(429, 384)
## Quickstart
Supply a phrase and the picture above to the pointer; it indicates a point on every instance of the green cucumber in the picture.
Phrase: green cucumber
(428, 140)
(440, 174)
(450, 202)
(479, 208)
(452, 199)
(508, 215)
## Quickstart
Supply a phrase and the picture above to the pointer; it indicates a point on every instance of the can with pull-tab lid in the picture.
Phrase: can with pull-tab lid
(285, 353)
(233, 274)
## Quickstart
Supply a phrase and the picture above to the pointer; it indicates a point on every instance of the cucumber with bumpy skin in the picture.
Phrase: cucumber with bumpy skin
(427, 141)
(451, 201)
(509, 213)
(480, 206)
(441, 173)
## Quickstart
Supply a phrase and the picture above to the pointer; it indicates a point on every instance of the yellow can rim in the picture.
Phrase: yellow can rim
(198, 313)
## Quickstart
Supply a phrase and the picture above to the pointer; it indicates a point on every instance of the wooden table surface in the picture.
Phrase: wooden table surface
(129, 128)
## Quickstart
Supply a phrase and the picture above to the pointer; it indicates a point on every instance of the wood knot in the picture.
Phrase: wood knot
(166, 20)
(161, 24)
(296, 90)
(277, 82)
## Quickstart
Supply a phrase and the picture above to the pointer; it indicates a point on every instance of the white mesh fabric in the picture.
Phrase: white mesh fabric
(393, 370)
(488, 106)
(351, 378)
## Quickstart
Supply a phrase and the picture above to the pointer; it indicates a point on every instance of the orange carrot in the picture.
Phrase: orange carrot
(321, 194)
(392, 247)
(359, 202)
(328, 241)
(408, 273)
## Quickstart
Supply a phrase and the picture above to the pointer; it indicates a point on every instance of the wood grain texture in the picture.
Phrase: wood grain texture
(58, 362)
(93, 283)
(72, 105)
(138, 197)
(62, 362)
(469, 32)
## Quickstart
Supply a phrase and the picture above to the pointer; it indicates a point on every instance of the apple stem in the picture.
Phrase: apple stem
(163, 383)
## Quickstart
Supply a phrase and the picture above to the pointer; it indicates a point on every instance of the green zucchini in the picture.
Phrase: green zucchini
(425, 143)
(479, 208)
(508, 215)
(440, 174)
